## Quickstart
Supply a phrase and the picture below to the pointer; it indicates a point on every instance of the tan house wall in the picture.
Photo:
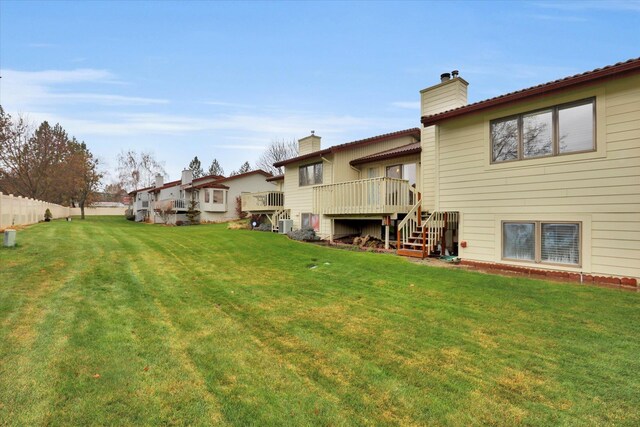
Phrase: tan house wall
(342, 170)
(436, 99)
(300, 199)
(600, 189)
(247, 184)
(335, 168)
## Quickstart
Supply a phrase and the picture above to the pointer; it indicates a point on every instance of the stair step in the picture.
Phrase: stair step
(417, 244)
(410, 253)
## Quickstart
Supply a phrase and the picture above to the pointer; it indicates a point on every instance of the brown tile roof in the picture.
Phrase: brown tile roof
(257, 171)
(167, 185)
(209, 185)
(405, 150)
(207, 177)
(608, 72)
(131, 193)
(415, 132)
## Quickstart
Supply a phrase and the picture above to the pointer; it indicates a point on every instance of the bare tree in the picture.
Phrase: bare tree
(138, 170)
(215, 168)
(277, 151)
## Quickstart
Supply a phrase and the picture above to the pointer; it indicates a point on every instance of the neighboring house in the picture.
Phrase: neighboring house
(546, 177)
(361, 187)
(213, 195)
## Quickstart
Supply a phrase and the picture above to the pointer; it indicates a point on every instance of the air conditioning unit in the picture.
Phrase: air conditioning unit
(285, 226)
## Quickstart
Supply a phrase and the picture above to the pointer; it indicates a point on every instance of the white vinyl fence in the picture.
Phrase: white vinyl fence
(17, 210)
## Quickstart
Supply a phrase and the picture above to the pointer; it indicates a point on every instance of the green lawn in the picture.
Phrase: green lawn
(105, 321)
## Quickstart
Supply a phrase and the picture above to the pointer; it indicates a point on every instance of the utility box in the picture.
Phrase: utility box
(9, 238)
(285, 226)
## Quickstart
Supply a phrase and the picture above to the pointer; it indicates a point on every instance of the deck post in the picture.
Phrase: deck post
(331, 231)
(387, 223)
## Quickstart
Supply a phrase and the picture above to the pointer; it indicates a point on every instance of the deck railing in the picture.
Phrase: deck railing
(364, 196)
(263, 201)
(172, 205)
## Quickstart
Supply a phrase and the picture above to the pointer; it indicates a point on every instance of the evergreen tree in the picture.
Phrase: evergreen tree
(196, 167)
(215, 168)
(246, 167)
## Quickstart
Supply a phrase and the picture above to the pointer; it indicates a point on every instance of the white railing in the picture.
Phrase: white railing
(263, 201)
(277, 216)
(172, 205)
(364, 196)
(411, 224)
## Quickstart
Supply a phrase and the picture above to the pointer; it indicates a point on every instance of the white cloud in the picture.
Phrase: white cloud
(28, 90)
(409, 105)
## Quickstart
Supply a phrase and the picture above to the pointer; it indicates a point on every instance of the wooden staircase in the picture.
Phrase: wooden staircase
(276, 217)
(419, 233)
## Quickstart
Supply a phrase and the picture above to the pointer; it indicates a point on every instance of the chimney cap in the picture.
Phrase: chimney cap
(445, 77)
(455, 73)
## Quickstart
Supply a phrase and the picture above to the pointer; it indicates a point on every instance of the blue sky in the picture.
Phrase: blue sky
(222, 80)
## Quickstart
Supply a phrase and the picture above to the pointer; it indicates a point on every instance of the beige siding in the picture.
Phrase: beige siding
(336, 168)
(342, 169)
(600, 189)
(247, 184)
(300, 199)
(444, 96)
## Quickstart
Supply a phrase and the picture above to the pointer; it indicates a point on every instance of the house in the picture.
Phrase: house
(213, 195)
(359, 187)
(546, 177)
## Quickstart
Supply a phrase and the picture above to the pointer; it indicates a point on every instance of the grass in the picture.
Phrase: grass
(109, 322)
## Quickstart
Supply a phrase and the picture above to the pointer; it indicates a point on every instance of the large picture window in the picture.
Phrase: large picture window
(542, 242)
(310, 174)
(218, 196)
(567, 128)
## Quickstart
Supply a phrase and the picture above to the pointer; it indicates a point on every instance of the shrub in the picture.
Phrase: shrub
(303, 234)
(48, 215)
(263, 227)
(239, 212)
(179, 223)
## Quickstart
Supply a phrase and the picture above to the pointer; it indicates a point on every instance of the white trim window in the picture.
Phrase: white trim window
(542, 242)
(554, 131)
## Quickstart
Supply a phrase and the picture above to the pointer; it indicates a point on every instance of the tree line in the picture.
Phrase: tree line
(46, 163)
(277, 151)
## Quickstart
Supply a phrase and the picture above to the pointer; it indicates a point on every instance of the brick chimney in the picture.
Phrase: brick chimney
(187, 176)
(308, 144)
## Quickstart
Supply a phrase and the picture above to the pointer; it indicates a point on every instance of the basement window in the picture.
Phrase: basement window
(562, 129)
(542, 242)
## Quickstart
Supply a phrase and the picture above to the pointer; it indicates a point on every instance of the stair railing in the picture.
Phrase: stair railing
(411, 222)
